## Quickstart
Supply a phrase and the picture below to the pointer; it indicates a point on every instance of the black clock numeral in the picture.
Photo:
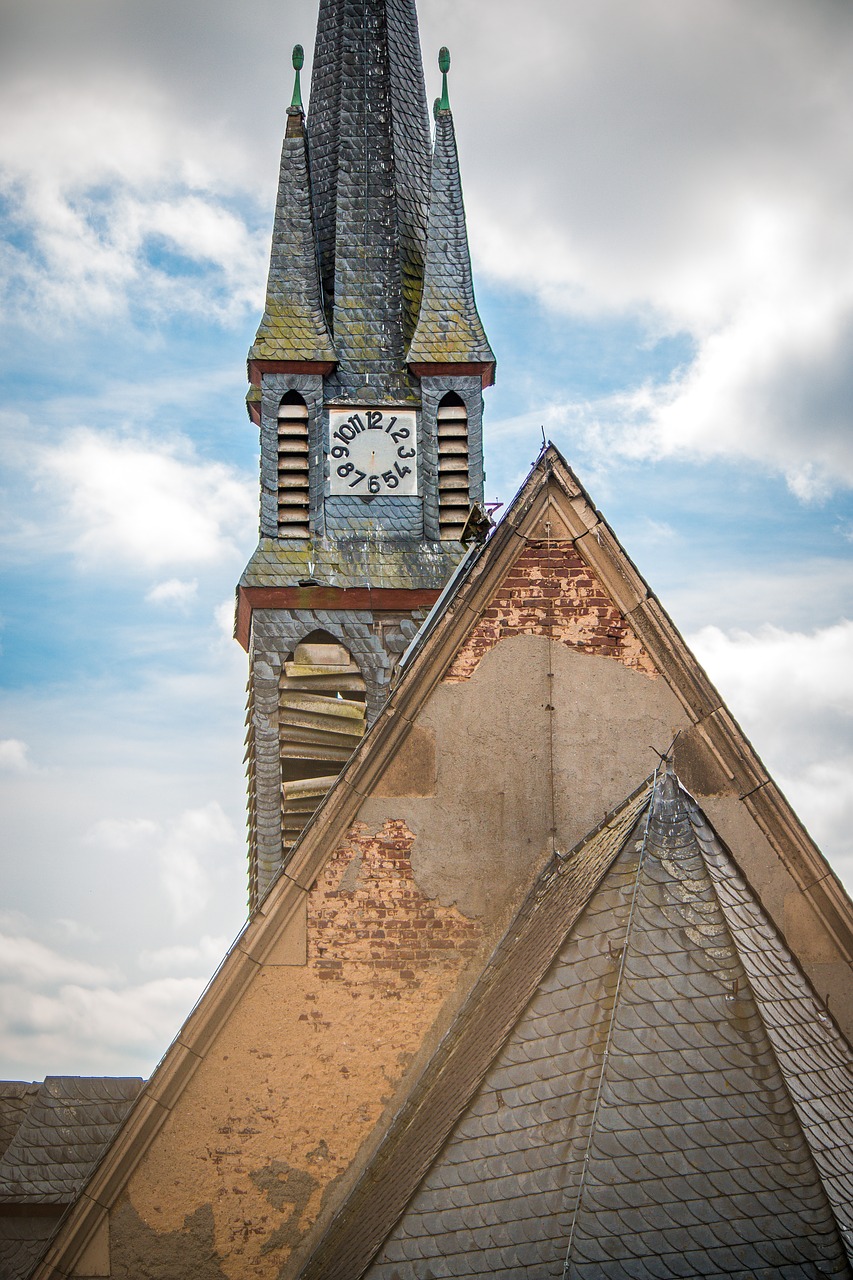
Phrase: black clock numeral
(373, 484)
(345, 468)
(401, 471)
(390, 479)
(340, 451)
(403, 452)
(359, 476)
(402, 433)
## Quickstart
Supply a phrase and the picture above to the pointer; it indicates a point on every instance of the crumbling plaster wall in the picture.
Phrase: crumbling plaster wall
(540, 737)
(548, 718)
(300, 1073)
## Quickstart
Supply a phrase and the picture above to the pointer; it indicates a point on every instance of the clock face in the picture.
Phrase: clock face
(373, 451)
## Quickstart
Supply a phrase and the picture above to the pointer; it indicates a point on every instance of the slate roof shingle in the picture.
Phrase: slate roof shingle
(53, 1134)
(353, 562)
(69, 1122)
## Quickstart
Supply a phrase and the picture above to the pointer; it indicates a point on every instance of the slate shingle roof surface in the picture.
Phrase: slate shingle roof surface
(353, 562)
(679, 1107)
(16, 1096)
(449, 328)
(23, 1240)
(293, 326)
(69, 1122)
(369, 140)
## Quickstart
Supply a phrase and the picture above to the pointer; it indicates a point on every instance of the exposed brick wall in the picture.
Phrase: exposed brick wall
(551, 591)
(370, 926)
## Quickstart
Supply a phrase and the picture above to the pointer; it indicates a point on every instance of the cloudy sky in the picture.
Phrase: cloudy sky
(660, 199)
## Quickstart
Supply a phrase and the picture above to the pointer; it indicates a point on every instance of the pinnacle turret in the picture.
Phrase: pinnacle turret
(293, 326)
(449, 330)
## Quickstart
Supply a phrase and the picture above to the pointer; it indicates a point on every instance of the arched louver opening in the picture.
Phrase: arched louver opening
(453, 494)
(293, 508)
(322, 719)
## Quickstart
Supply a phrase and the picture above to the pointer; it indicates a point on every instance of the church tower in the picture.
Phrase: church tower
(366, 379)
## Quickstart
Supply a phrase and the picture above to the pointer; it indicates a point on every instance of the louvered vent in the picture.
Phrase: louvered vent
(453, 496)
(293, 467)
(321, 721)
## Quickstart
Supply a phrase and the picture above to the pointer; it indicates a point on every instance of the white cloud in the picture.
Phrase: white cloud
(120, 198)
(793, 694)
(688, 168)
(14, 756)
(154, 504)
(182, 959)
(814, 672)
(88, 1028)
(25, 960)
(224, 617)
(185, 850)
(173, 592)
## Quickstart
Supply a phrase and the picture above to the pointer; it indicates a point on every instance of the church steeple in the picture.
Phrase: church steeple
(367, 375)
(370, 152)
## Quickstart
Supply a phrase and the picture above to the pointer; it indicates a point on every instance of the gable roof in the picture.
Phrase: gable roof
(551, 503)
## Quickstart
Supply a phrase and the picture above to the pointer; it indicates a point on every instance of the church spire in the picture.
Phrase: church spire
(449, 330)
(369, 132)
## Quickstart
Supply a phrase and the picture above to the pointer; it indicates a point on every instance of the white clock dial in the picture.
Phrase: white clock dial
(373, 451)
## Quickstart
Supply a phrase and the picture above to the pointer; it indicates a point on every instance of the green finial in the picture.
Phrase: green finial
(298, 64)
(444, 67)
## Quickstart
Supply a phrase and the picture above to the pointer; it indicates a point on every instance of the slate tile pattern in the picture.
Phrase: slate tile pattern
(657, 1111)
(815, 1058)
(23, 1240)
(370, 155)
(293, 326)
(354, 562)
(449, 326)
(63, 1125)
(16, 1097)
(67, 1126)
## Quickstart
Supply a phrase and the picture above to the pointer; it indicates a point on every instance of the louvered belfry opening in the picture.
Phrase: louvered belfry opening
(322, 718)
(293, 501)
(453, 494)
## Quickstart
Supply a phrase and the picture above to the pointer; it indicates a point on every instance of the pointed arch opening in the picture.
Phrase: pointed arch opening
(293, 489)
(453, 474)
(322, 719)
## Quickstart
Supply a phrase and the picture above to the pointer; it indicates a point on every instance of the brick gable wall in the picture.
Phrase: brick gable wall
(551, 591)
